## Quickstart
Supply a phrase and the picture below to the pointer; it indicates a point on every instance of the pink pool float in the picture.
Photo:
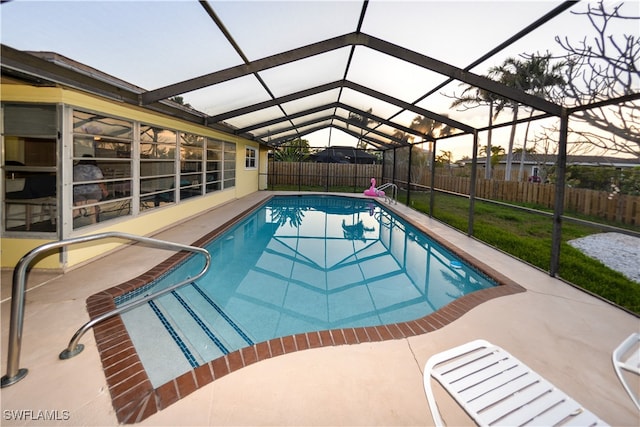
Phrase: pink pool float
(373, 191)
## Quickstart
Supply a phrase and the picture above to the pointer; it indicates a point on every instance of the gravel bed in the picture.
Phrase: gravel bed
(617, 251)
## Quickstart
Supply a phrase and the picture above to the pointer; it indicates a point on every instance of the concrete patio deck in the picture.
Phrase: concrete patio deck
(564, 334)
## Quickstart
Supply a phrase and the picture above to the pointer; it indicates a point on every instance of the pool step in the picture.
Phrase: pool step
(203, 344)
(216, 317)
(162, 327)
(161, 356)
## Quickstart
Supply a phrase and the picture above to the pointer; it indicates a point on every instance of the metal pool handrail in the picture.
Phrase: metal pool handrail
(14, 374)
(394, 192)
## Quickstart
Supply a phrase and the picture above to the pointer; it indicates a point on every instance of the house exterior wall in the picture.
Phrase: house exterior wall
(15, 245)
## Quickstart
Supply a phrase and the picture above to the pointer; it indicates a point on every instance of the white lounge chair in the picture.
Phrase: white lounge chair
(627, 357)
(495, 388)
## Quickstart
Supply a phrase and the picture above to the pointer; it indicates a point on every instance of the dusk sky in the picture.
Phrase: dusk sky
(154, 44)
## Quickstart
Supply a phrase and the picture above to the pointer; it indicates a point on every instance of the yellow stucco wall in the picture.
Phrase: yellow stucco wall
(13, 248)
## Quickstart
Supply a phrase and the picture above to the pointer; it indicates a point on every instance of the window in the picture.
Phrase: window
(172, 161)
(214, 165)
(191, 157)
(29, 173)
(229, 171)
(102, 168)
(106, 182)
(158, 149)
(250, 159)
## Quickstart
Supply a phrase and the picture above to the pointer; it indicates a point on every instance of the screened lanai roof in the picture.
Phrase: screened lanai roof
(280, 70)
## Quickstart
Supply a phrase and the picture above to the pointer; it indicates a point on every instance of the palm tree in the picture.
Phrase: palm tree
(544, 77)
(509, 73)
(445, 158)
(535, 75)
(420, 164)
(430, 127)
(493, 154)
(362, 122)
(296, 151)
(475, 96)
(404, 137)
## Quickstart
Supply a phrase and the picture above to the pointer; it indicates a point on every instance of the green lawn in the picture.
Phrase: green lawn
(528, 236)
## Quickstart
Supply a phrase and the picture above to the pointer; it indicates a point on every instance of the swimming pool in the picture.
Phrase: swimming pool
(295, 265)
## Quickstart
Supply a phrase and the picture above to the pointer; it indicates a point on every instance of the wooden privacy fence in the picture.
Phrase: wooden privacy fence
(323, 174)
(619, 208)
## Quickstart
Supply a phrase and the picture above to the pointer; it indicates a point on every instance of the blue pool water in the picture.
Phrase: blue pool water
(297, 264)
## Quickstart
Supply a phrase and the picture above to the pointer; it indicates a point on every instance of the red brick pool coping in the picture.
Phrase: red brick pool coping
(134, 398)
